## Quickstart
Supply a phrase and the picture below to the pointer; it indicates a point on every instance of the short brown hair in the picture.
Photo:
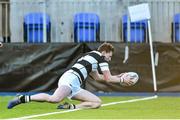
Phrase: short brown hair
(107, 47)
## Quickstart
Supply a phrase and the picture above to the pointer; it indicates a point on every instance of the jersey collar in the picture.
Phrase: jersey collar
(97, 52)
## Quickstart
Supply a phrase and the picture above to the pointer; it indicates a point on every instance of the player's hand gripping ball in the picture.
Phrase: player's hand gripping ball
(128, 78)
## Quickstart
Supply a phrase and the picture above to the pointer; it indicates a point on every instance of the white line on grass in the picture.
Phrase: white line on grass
(129, 101)
(107, 104)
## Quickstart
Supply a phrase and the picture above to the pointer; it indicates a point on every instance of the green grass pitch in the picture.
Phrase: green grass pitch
(159, 108)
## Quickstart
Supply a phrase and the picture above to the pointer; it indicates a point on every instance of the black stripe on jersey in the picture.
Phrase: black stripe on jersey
(99, 58)
(87, 65)
(79, 72)
(78, 78)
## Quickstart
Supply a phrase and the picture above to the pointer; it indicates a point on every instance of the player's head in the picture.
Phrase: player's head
(107, 50)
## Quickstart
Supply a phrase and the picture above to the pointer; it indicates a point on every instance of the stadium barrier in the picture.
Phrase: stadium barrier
(38, 67)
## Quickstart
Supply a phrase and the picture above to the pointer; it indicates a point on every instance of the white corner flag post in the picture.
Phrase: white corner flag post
(138, 13)
(44, 23)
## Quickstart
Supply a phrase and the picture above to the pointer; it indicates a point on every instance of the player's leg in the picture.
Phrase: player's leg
(60, 93)
(63, 90)
(88, 100)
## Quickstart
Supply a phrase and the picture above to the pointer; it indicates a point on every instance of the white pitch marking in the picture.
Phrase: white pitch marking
(107, 104)
(129, 101)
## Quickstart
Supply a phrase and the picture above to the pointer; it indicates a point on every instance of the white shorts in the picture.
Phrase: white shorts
(71, 79)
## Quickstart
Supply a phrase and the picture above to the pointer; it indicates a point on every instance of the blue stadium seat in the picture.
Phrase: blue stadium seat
(33, 27)
(176, 22)
(86, 27)
(137, 30)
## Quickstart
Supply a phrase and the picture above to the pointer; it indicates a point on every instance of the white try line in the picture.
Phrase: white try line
(61, 112)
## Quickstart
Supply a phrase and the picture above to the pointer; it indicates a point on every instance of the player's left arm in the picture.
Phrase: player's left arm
(110, 78)
(106, 76)
(116, 78)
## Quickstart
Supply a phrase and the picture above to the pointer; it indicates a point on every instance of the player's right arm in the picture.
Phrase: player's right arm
(96, 76)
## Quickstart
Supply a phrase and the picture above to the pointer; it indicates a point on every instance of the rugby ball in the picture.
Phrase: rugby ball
(132, 76)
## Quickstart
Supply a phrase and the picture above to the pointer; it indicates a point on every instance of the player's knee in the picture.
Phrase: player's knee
(97, 104)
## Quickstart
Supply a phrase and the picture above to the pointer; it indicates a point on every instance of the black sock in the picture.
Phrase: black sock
(72, 106)
(24, 99)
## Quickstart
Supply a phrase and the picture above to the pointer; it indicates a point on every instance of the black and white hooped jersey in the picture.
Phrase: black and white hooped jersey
(90, 62)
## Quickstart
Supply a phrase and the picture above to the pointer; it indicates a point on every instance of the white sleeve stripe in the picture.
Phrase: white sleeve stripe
(103, 64)
(104, 68)
(97, 52)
